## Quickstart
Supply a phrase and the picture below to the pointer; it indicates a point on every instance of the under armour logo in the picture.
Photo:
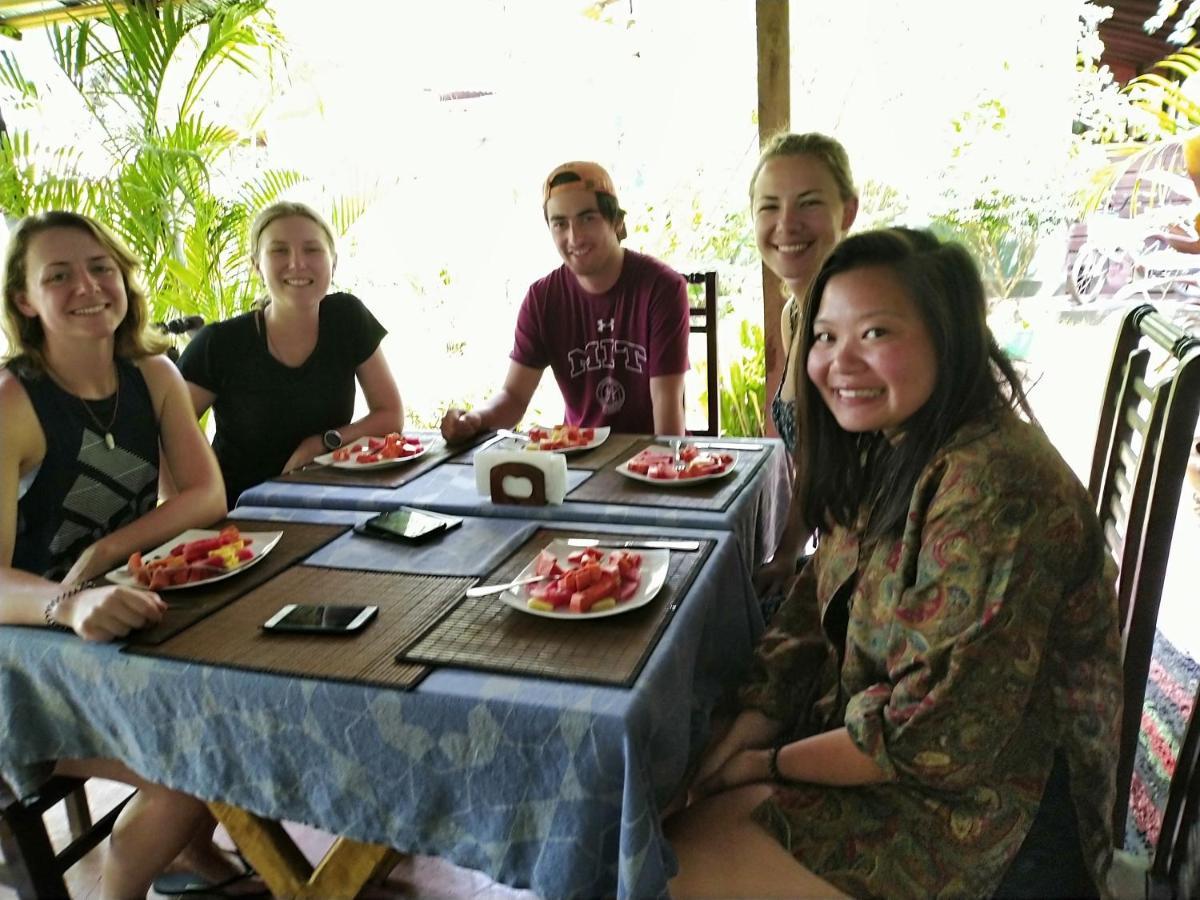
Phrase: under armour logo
(603, 325)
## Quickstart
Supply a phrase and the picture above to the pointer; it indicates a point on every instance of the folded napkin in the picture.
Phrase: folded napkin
(516, 488)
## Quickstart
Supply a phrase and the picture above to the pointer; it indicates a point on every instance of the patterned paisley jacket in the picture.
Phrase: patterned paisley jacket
(977, 645)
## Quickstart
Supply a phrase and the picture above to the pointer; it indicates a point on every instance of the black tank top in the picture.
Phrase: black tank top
(82, 490)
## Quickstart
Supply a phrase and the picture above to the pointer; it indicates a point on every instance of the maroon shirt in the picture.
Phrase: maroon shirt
(605, 348)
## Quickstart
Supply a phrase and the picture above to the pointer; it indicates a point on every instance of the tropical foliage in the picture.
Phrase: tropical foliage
(743, 387)
(169, 184)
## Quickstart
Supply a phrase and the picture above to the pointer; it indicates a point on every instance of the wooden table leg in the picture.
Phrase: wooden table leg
(342, 872)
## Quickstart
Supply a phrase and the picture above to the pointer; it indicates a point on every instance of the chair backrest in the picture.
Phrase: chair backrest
(1151, 403)
(704, 321)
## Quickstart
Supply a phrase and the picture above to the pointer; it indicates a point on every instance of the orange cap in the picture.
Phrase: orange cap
(592, 177)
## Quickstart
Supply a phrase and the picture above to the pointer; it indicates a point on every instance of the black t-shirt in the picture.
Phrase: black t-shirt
(263, 408)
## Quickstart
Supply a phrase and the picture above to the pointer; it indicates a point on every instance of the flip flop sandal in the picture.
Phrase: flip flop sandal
(192, 885)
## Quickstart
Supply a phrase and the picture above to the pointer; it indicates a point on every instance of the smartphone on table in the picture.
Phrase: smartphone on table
(407, 524)
(312, 618)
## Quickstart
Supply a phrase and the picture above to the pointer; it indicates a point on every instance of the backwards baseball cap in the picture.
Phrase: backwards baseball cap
(591, 177)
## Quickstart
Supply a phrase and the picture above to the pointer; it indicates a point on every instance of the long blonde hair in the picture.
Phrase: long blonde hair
(135, 337)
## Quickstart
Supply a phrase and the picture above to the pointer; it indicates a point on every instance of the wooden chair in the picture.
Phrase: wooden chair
(1149, 414)
(704, 321)
(31, 865)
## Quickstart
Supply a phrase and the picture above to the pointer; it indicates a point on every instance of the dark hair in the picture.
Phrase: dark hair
(605, 202)
(134, 338)
(838, 471)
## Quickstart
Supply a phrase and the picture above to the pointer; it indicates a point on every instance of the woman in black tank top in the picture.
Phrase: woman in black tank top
(86, 398)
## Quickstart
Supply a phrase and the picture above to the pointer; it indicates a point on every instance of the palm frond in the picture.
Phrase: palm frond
(11, 77)
(268, 186)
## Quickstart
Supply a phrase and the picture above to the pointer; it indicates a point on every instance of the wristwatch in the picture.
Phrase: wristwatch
(332, 439)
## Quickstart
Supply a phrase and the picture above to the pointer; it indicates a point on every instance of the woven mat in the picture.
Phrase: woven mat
(483, 633)
(408, 605)
(610, 486)
(615, 448)
(189, 605)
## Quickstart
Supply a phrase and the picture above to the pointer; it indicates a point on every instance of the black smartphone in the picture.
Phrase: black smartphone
(309, 618)
(408, 524)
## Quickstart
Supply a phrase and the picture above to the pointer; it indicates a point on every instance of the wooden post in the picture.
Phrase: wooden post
(774, 115)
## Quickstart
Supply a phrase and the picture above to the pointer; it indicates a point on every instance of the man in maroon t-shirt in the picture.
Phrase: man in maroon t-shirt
(611, 323)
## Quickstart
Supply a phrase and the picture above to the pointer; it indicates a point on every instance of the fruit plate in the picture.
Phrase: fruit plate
(263, 542)
(654, 575)
(326, 459)
(676, 482)
(600, 436)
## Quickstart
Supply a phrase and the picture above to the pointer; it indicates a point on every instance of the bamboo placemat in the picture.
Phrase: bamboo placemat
(189, 605)
(408, 605)
(484, 633)
(610, 486)
(614, 448)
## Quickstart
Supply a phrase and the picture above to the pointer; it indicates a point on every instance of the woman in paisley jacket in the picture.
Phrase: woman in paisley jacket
(945, 676)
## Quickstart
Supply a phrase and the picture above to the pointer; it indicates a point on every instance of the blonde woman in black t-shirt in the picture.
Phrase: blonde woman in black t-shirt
(281, 379)
(90, 411)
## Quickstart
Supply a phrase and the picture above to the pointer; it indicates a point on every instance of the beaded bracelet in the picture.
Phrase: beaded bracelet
(52, 605)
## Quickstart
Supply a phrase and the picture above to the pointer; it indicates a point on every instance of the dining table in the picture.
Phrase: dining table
(541, 752)
(751, 502)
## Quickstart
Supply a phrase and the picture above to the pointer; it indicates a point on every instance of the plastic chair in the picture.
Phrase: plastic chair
(31, 865)
(1138, 469)
(704, 321)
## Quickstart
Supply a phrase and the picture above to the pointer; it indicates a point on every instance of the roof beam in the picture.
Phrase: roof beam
(774, 115)
(58, 14)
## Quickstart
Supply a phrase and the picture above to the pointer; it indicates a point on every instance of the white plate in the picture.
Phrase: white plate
(623, 468)
(599, 438)
(654, 575)
(264, 543)
(326, 459)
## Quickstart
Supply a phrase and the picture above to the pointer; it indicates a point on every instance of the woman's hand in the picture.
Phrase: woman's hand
(751, 730)
(775, 577)
(310, 448)
(744, 767)
(91, 563)
(112, 611)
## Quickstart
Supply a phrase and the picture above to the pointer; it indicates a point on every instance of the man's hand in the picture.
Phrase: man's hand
(108, 612)
(459, 425)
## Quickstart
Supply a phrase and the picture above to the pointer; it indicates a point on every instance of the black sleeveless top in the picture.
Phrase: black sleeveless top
(82, 490)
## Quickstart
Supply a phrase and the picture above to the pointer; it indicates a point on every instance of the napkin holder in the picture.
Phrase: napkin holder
(521, 477)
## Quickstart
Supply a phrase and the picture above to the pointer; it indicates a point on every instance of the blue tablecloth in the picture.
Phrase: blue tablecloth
(756, 516)
(542, 784)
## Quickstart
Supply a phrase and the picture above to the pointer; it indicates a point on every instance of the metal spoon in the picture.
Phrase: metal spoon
(484, 590)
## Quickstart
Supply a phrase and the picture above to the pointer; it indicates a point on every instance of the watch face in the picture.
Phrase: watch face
(331, 439)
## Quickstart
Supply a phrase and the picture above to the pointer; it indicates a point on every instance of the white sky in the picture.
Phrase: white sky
(664, 97)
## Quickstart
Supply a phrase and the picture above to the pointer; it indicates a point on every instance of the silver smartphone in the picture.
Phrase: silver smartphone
(308, 618)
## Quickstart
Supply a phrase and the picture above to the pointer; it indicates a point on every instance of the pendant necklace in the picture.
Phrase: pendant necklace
(109, 442)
